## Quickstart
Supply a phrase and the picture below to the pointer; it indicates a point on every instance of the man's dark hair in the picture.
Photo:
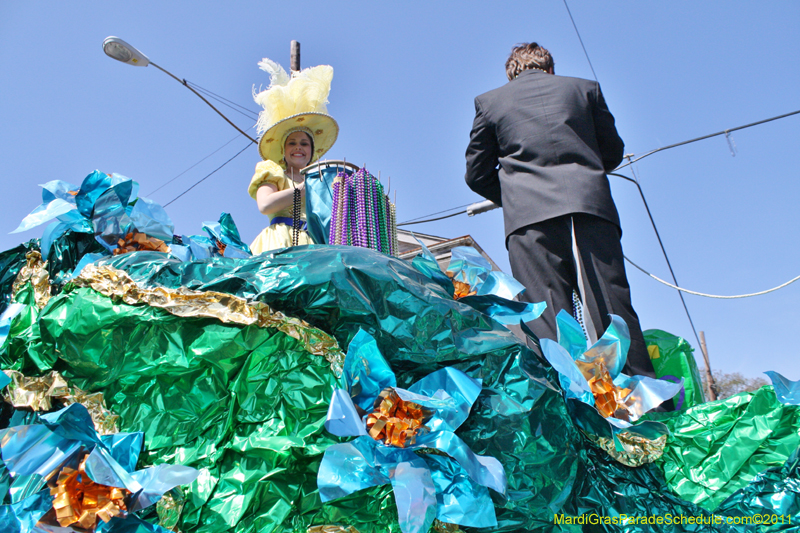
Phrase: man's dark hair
(526, 56)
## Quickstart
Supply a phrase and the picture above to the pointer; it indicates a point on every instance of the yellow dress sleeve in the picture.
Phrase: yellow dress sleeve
(267, 172)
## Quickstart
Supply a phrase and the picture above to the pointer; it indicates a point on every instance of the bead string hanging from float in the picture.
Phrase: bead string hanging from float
(296, 216)
(362, 214)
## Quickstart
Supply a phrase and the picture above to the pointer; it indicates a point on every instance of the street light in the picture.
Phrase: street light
(116, 48)
(122, 51)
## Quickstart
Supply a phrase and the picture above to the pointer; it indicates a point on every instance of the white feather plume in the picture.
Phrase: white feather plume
(277, 74)
(306, 92)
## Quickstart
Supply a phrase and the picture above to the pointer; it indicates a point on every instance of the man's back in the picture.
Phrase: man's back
(554, 139)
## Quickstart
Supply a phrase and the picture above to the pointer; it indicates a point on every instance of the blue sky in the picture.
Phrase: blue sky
(405, 77)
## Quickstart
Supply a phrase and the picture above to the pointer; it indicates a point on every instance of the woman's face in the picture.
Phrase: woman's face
(297, 150)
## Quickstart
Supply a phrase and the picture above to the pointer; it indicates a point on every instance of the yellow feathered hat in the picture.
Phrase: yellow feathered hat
(295, 103)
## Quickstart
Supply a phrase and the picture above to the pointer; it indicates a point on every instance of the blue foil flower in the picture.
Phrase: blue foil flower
(787, 391)
(435, 475)
(37, 452)
(107, 206)
(490, 291)
(572, 360)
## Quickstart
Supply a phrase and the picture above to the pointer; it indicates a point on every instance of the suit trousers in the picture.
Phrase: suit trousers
(542, 259)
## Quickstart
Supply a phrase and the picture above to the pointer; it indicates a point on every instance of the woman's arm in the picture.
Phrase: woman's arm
(270, 200)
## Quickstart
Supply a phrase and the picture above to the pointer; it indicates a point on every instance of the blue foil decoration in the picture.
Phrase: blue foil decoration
(6, 319)
(129, 524)
(22, 516)
(41, 450)
(494, 290)
(56, 201)
(107, 206)
(453, 487)
(612, 350)
(787, 391)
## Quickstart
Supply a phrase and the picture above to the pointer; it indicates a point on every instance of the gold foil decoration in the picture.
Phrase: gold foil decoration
(394, 421)
(445, 527)
(462, 288)
(609, 399)
(220, 246)
(136, 242)
(637, 450)
(34, 272)
(331, 529)
(79, 500)
(38, 394)
(169, 508)
(227, 308)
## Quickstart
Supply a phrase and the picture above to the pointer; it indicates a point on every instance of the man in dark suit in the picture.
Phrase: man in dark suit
(553, 139)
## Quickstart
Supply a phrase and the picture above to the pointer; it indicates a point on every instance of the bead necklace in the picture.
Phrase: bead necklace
(361, 214)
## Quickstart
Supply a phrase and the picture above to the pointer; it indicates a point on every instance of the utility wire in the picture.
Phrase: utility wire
(664, 251)
(724, 132)
(224, 101)
(191, 167)
(186, 84)
(431, 219)
(668, 284)
(636, 181)
(581, 40)
(209, 174)
(438, 212)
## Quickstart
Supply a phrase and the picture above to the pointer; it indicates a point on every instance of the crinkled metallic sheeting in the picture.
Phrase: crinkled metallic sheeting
(719, 447)
(521, 418)
(332, 529)
(638, 451)
(38, 393)
(227, 308)
(23, 330)
(65, 254)
(246, 404)
(774, 495)
(34, 272)
(444, 527)
(170, 507)
(11, 262)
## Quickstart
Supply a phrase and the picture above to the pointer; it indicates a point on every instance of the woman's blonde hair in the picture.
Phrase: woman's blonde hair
(526, 56)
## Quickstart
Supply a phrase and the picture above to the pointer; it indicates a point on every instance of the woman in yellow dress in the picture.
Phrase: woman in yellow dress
(295, 131)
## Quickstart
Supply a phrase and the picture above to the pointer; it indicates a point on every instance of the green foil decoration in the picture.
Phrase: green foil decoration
(245, 403)
(673, 359)
(11, 262)
(719, 447)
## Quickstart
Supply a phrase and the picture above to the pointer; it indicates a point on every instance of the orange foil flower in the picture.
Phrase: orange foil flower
(136, 241)
(609, 398)
(80, 501)
(394, 421)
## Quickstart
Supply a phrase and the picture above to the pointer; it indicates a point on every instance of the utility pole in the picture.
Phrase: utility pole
(294, 57)
(711, 385)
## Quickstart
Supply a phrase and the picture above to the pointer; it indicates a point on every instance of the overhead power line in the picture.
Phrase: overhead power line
(208, 175)
(664, 251)
(634, 159)
(242, 110)
(417, 221)
(191, 167)
(668, 284)
(581, 40)
(723, 132)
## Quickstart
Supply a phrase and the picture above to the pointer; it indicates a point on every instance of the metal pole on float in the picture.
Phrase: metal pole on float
(294, 57)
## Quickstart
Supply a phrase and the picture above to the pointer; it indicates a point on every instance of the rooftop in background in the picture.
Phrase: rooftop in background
(440, 247)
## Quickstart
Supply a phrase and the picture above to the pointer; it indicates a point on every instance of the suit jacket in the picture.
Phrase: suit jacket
(554, 139)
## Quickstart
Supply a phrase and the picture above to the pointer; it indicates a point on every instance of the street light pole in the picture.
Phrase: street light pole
(116, 48)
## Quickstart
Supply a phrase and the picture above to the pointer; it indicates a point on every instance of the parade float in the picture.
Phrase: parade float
(157, 382)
